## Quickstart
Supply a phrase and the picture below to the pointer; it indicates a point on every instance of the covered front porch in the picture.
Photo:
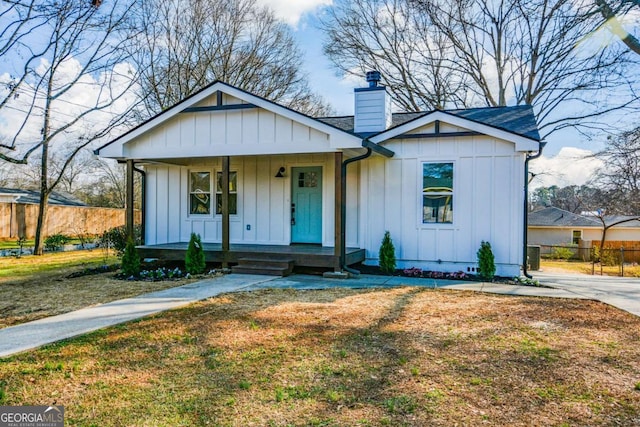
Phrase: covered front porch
(300, 255)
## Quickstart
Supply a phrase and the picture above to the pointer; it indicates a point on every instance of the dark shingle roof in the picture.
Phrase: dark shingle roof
(556, 217)
(632, 222)
(519, 119)
(33, 197)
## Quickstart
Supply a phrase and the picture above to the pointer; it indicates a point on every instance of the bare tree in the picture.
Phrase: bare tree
(492, 53)
(415, 59)
(619, 175)
(610, 11)
(73, 87)
(187, 44)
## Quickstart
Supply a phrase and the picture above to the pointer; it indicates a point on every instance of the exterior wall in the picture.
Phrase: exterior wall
(548, 236)
(264, 214)
(562, 235)
(231, 132)
(622, 234)
(487, 204)
(19, 219)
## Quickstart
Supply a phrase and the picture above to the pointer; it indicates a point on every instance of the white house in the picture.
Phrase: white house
(322, 191)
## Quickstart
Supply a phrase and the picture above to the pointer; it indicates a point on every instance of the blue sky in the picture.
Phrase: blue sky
(566, 158)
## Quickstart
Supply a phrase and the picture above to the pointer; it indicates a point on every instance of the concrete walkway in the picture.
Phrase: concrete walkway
(621, 292)
(27, 336)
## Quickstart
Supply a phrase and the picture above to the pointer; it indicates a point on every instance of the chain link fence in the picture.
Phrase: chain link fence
(609, 261)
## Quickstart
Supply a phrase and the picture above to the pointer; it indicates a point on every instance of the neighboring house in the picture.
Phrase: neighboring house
(15, 195)
(440, 181)
(553, 226)
(66, 215)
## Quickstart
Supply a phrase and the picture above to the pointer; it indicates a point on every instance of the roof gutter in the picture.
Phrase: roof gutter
(525, 233)
(343, 206)
(371, 148)
(143, 202)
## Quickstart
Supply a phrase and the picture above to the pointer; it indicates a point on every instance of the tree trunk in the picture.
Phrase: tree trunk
(42, 221)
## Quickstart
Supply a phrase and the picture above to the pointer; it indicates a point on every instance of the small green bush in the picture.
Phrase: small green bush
(194, 261)
(387, 255)
(56, 242)
(130, 260)
(116, 238)
(486, 261)
(564, 252)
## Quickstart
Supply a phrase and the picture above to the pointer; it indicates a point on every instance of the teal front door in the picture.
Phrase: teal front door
(306, 205)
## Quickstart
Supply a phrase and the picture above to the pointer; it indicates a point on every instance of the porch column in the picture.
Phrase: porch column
(225, 211)
(339, 210)
(128, 219)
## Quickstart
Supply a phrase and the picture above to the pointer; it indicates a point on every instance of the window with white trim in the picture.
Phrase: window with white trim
(233, 193)
(437, 193)
(200, 193)
(576, 236)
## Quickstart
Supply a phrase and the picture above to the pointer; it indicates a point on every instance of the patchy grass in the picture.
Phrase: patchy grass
(13, 243)
(31, 267)
(341, 357)
(582, 267)
(33, 287)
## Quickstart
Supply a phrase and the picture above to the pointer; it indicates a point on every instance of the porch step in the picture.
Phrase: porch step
(271, 267)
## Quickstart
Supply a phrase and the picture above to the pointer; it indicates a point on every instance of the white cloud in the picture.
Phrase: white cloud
(571, 166)
(292, 11)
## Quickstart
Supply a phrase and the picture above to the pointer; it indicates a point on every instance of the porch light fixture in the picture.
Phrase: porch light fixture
(280, 173)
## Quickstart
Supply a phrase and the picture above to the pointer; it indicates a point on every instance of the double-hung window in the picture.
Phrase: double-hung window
(233, 193)
(200, 193)
(437, 193)
(576, 236)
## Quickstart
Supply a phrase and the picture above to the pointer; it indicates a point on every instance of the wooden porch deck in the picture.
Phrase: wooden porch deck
(302, 255)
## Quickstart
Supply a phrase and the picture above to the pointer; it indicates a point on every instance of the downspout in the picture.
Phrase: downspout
(343, 219)
(143, 202)
(525, 231)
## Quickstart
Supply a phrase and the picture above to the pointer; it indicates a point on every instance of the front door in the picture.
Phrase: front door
(306, 205)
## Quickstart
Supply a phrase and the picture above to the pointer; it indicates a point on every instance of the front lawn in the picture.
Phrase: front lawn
(32, 287)
(340, 357)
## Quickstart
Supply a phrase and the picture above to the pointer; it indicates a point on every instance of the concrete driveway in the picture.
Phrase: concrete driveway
(621, 292)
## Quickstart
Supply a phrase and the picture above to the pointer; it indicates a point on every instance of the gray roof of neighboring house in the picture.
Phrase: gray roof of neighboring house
(556, 217)
(519, 119)
(33, 197)
(631, 223)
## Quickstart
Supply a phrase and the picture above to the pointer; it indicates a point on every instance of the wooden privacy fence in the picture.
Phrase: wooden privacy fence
(19, 219)
(630, 249)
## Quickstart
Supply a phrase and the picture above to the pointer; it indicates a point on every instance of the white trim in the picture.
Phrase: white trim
(211, 214)
(420, 175)
(522, 143)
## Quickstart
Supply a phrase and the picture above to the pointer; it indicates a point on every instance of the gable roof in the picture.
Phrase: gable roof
(33, 197)
(160, 118)
(519, 120)
(556, 217)
(516, 124)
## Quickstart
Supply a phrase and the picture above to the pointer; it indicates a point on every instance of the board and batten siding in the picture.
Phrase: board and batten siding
(234, 132)
(264, 201)
(487, 204)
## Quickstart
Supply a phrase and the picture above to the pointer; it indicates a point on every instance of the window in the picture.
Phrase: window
(437, 193)
(233, 193)
(200, 193)
(307, 179)
(576, 236)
